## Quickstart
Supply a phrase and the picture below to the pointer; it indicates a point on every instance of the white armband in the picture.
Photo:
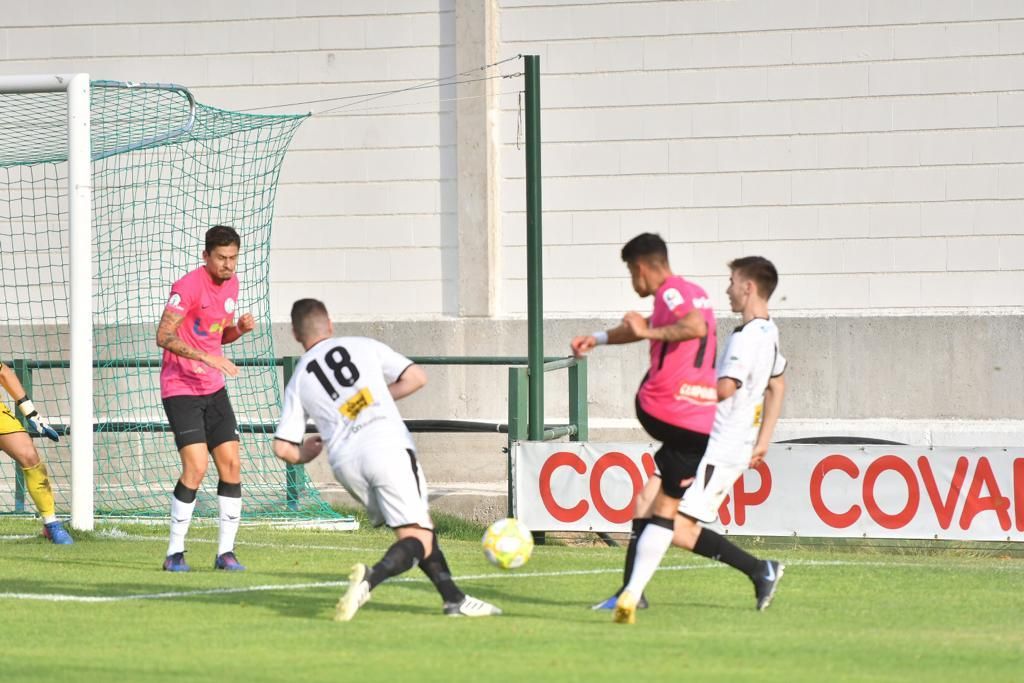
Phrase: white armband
(600, 337)
(26, 407)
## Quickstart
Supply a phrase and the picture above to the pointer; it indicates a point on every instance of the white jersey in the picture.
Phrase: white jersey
(751, 358)
(342, 384)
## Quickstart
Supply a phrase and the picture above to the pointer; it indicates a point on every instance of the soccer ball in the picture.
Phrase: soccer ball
(507, 543)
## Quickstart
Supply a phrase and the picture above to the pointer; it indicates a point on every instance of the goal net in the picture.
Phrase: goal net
(163, 168)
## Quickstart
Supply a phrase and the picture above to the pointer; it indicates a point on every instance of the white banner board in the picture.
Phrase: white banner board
(972, 494)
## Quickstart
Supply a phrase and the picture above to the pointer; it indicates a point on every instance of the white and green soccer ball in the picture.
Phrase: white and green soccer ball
(507, 543)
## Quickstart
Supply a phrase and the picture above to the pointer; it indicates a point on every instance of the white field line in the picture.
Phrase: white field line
(118, 535)
(163, 539)
(59, 597)
(63, 597)
(562, 551)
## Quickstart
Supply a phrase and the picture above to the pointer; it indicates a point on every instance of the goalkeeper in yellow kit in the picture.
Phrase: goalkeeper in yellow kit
(15, 442)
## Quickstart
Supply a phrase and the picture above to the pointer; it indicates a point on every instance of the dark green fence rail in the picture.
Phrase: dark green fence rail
(517, 428)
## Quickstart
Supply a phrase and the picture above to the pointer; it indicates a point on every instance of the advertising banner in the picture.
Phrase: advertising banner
(841, 491)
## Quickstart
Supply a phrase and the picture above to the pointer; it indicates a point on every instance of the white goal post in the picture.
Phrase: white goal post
(92, 234)
(80, 247)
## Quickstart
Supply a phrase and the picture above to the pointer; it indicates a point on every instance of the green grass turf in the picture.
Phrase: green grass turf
(841, 614)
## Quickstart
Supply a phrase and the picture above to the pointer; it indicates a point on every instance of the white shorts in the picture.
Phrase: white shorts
(390, 484)
(709, 488)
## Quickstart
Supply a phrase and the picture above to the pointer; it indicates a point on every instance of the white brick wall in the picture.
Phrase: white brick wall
(873, 148)
(365, 212)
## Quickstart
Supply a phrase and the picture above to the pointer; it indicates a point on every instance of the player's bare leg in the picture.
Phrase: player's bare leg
(229, 501)
(686, 532)
(195, 460)
(19, 446)
(423, 535)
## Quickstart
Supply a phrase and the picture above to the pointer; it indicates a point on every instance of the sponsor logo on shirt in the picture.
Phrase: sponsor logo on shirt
(356, 428)
(702, 302)
(355, 405)
(697, 393)
(214, 328)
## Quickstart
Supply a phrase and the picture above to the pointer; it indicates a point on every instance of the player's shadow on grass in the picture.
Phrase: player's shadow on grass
(492, 594)
(66, 559)
(126, 591)
(155, 564)
(319, 605)
(695, 604)
(312, 605)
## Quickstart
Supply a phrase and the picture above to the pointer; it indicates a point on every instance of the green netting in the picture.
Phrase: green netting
(164, 170)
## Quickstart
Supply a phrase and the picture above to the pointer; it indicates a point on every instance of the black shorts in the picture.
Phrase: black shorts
(679, 455)
(201, 419)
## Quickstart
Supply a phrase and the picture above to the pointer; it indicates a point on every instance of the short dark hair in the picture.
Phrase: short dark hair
(760, 270)
(645, 246)
(221, 236)
(305, 313)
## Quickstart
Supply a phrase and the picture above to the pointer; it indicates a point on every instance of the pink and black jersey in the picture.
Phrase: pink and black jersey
(208, 308)
(679, 389)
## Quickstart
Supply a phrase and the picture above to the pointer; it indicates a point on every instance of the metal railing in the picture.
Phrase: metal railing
(517, 428)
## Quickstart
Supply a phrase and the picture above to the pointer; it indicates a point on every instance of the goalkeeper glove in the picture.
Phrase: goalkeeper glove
(35, 421)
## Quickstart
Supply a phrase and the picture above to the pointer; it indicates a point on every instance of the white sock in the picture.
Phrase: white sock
(230, 515)
(181, 518)
(651, 547)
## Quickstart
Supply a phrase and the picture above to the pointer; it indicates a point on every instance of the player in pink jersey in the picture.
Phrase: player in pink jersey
(749, 389)
(676, 400)
(198, 319)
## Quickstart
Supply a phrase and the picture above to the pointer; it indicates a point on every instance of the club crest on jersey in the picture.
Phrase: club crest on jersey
(672, 298)
(229, 305)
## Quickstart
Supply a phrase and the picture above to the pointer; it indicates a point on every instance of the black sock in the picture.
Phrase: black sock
(229, 490)
(436, 568)
(400, 557)
(184, 493)
(712, 545)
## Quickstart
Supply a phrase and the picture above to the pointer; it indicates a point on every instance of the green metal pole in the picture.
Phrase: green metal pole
(292, 473)
(24, 373)
(534, 244)
(578, 400)
(518, 381)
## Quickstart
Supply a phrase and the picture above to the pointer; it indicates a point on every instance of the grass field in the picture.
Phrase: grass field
(102, 610)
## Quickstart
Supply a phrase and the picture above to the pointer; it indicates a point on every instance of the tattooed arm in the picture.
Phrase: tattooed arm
(167, 338)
